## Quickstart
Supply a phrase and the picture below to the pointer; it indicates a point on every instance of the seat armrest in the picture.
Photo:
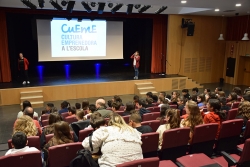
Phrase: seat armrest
(239, 149)
(179, 164)
(230, 160)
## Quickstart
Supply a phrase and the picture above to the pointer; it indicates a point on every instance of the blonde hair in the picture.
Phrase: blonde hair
(118, 121)
(26, 125)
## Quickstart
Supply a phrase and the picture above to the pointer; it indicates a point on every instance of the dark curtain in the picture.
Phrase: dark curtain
(5, 74)
(159, 44)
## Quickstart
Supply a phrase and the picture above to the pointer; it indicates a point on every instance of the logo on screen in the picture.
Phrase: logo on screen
(78, 29)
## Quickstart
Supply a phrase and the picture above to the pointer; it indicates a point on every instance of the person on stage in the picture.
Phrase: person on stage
(136, 63)
(23, 65)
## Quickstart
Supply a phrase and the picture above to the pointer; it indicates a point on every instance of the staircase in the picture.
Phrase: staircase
(35, 98)
(142, 88)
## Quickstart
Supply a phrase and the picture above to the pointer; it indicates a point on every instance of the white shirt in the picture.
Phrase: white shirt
(134, 63)
(161, 130)
(22, 150)
(117, 146)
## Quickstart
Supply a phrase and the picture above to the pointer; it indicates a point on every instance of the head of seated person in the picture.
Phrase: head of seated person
(232, 97)
(94, 116)
(54, 117)
(100, 104)
(129, 107)
(136, 99)
(117, 99)
(97, 122)
(80, 115)
(26, 103)
(62, 133)
(163, 110)
(26, 125)
(173, 118)
(115, 106)
(246, 97)
(19, 140)
(78, 106)
(85, 104)
(49, 107)
(117, 121)
(135, 120)
(141, 104)
(65, 104)
(29, 111)
(71, 111)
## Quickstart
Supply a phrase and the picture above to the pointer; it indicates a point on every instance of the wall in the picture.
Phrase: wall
(201, 56)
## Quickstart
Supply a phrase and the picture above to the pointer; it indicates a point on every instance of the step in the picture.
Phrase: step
(35, 91)
(144, 93)
(146, 88)
(31, 97)
(141, 85)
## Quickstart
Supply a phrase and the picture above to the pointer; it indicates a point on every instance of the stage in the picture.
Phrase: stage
(86, 86)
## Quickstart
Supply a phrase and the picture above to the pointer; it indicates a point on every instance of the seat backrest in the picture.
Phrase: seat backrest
(235, 105)
(154, 124)
(64, 115)
(150, 142)
(150, 116)
(61, 155)
(147, 162)
(84, 133)
(70, 119)
(77, 126)
(45, 122)
(173, 106)
(232, 114)
(126, 118)
(157, 109)
(27, 159)
(33, 141)
(245, 153)
(247, 131)
(48, 137)
(122, 108)
(120, 112)
(44, 117)
(151, 109)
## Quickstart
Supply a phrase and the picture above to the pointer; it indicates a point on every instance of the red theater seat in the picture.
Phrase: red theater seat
(157, 109)
(126, 118)
(33, 141)
(64, 115)
(84, 133)
(70, 119)
(150, 116)
(154, 124)
(45, 122)
(150, 144)
(147, 162)
(235, 105)
(232, 114)
(151, 109)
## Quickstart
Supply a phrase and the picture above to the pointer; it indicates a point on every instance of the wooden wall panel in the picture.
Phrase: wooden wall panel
(203, 46)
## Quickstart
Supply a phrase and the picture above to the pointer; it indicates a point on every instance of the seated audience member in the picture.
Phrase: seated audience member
(221, 94)
(181, 104)
(19, 144)
(136, 99)
(174, 98)
(100, 106)
(26, 104)
(49, 107)
(211, 95)
(185, 94)
(155, 98)
(115, 106)
(110, 103)
(26, 125)
(247, 91)
(246, 97)
(161, 101)
(78, 107)
(135, 122)
(94, 116)
(195, 91)
(72, 112)
(141, 106)
(64, 107)
(244, 112)
(194, 98)
(119, 142)
(223, 103)
(80, 116)
(30, 112)
(237, 90)
(85, 104)
(168, 98)
(117, 99)
(91, 109)
(206, 91)
(163, 112)
(149, 102)
(149, 95)
(128, 108)
(173, 121)
(162, 94)
(53, 118)
(214, 115)
(217, 90)
(201, 101)
(232, 97)
(62, 135)
(193, 119)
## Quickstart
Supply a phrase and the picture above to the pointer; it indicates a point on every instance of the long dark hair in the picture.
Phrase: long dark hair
(215, 103)
(26, 103)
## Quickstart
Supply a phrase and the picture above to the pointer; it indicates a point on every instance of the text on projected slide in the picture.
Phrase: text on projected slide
(78, 39)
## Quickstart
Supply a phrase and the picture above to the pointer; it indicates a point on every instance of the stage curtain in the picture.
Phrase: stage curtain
(5, 74)
(159, 44)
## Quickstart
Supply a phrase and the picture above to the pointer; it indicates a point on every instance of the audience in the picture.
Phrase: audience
(85, 104)
(211, 95)
(115, 106)
(163, 112)
(135, 122)
(193, 119)
(117, 99)
(244, 112)
(141, 106)
(94, 116)
(64, 107)
(174, 98)
(161, 101)
(224, 106)
(232, 98)
(181, 104)
(78, 107)
(80, 116)
(214, 115)
(26, 104)
(128, 108)
(221, 94)
(136, 99)
(155, 98)
(26, 125)
(173, 121)
(246, 97)
(217, 90)
(194, 97)
(149, 95)
(49, 108)
(149, 102)
(206, 91)
(30, 112)
(119, 142)
(201, 100)
(100, 106)
(195, 91)
(91, 109)
(237, 90)
(185, 94)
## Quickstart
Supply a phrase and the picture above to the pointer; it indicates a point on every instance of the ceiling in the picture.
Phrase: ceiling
(193, 7)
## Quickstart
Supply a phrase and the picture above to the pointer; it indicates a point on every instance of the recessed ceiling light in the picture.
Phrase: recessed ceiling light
(217, 10)
(238, 4)
(183, 1)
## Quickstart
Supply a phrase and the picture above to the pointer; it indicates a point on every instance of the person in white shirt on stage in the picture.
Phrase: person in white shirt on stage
(136, 63)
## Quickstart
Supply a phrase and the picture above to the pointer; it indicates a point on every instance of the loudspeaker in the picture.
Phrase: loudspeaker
(190, 29)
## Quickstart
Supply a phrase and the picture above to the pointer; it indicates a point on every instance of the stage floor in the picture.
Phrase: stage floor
(82, 79)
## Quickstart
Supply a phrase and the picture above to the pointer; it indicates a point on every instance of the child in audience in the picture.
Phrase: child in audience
(195, 91)
(117, 99)
(185, 94)
(85, 104)
(161, 101)
(26, 103)
(211, 95)
(181, 104)
(115, 106)
(64, 107)
(174, 97)
(201, 101)
(135, 122)
(232, 97)
(193, 119)
(72, 112)
(149, 102)
(129, 107)
(173, 121)
(78, 107)
(214, 115)
(141, 106)
(163, 112)
(155, 98)
(221, 94)
(136, 99)
(80, 116)
(90, 110)
(224, 107)
(217, 90)
(237, 90)
(206, 91)
(194, 97)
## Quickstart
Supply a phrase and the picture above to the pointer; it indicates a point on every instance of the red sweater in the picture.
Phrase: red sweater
(137, 60)
(26, 63)
(211, 117)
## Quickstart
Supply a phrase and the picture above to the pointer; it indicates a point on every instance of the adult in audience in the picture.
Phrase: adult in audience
(64, 107)
(163, 112)
(223, 103)
(174, 98)
(72, 112)
(195, 91)
(115, 106)
(193, 119)
(149, 94)
(62, 135)
(26, 103)
(78, 107)
(119, 142)
(23, 65)
(128, 108)
(232, 97)
(215, 115)
(30, 112)
(90, 110)
(135, 122)
(201, 100)
(85, 104)
(26, 125)
(245, 97)
(149, 102)
(173, 121)
(100, 106)
(141, 106)
(237, 90)
(244, 112)
(185, 94)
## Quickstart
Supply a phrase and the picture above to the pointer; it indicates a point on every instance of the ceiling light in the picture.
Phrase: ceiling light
(221, 38)
(93, 4)
(64, 3)
(70, 6)
(238, 4)
(161, 10)
(55, 5)
(183, 1)
(86, 7)
(29, 4)
(110, 5)
(137, 6)
(116, 8)
(245, 38)
(100, 8)
(130, 8)
(144, 8)
(216, 10)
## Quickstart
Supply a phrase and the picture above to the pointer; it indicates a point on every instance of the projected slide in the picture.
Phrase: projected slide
(78, 39)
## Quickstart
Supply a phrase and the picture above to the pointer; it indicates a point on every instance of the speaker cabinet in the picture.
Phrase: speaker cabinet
(190, 29)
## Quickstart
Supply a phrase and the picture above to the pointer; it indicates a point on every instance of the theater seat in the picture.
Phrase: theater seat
(29, 159)
(77, 126)
(232, 114)
(48, 137)
(151, 109)
(126, 118)
(84, 133)
(150, 144)
(64, 115)
(147, 162)
(45, 122)
(246, 133)
(150, 116)
(120, 112)
(174, 106)
(61, 155)
(157, 109)
(154, 124)
(33, 141)
(70, 119)
(44, 117)
(235, 105)
(167, 163)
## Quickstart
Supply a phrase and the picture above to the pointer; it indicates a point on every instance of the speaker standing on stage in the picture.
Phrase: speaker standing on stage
(23, 65)
(136, 63)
